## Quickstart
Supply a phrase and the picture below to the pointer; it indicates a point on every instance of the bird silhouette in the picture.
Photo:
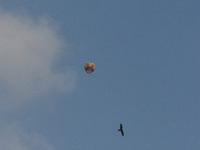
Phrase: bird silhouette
(121, 129)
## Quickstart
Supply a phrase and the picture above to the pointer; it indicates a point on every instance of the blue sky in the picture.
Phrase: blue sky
(147, 74)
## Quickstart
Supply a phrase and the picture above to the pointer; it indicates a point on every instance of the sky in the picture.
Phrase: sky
(147, 73)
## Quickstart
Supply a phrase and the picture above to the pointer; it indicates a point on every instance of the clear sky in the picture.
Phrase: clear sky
(147, 77)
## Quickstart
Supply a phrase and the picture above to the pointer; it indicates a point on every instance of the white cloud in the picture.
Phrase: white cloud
(14, 138)
(27, 51)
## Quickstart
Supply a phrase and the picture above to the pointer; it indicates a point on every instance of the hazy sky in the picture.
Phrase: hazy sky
(147, 77)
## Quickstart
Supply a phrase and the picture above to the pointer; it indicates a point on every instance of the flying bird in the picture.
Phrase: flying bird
(121, 129)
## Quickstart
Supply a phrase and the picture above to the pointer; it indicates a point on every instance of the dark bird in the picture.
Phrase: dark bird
(121, 129)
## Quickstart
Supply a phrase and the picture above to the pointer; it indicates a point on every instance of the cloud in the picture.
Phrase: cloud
(28, 50)
(29, 53)
(14, 138)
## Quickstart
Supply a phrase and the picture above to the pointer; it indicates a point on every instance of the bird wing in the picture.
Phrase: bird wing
(122, 132)
(121, 126)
